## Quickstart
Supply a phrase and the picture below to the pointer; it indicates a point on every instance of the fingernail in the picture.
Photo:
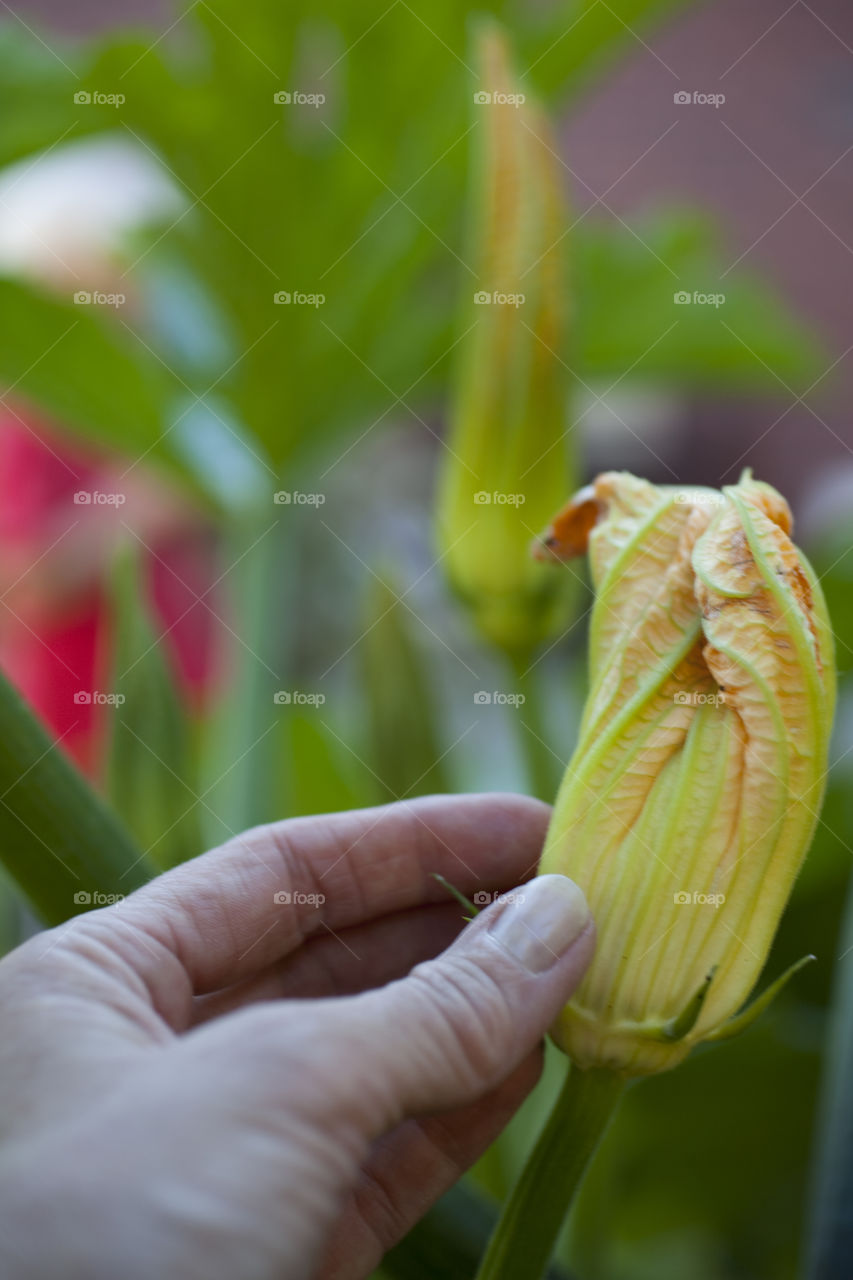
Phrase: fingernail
(542, 921)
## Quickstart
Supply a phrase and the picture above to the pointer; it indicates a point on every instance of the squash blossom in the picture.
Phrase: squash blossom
(506, 465)
(691, 798)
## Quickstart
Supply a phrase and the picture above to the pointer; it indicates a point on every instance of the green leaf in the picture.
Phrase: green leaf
(205, 105)
(151, 773)
(11, 933)
(59, 841)
(85, 369)
(626, 281)
(242, 788)
(380, 173)
(37, 84)
(403, 747)
(580, 39)
(319, 776)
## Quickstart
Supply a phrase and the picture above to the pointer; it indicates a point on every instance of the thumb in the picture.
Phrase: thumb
(443, 1036)
(458, 1025)
(297, 1091)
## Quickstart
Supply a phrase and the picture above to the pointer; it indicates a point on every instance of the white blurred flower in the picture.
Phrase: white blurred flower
(66, 213)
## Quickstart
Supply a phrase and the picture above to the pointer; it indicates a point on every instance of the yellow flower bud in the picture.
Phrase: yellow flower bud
(506, 465)
(690, 801)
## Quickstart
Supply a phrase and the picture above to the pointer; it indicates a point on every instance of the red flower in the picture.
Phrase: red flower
(63, 511)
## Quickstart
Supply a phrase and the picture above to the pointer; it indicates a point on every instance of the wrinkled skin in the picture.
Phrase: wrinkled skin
(204, 1082)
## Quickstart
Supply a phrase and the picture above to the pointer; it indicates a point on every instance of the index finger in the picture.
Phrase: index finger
(234, 911)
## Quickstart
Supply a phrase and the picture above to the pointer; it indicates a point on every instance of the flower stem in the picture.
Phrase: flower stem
(525, 1236)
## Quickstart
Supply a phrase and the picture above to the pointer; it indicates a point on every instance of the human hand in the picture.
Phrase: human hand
(204, 1081)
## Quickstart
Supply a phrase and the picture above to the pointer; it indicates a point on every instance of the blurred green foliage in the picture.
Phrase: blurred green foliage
(400, 710)
(363, 200)
(150, 774)
(60, 842)
(360, 200)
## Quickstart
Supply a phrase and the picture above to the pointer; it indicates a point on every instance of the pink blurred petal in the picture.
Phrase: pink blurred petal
(53, 643)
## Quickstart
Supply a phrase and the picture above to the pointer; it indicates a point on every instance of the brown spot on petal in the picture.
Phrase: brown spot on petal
(567, 536)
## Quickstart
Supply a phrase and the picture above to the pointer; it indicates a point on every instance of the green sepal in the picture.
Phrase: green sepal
(747, 1016)
(678, 1028)
(458, 895)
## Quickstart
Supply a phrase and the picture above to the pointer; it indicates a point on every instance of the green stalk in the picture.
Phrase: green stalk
(539, 1203)
(544, 768)
(59, 841)
(241, 760)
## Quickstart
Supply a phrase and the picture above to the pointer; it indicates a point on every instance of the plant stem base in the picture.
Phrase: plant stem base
(532, 1218)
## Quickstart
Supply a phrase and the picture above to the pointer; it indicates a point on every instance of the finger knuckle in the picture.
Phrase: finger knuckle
(377, 1202)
